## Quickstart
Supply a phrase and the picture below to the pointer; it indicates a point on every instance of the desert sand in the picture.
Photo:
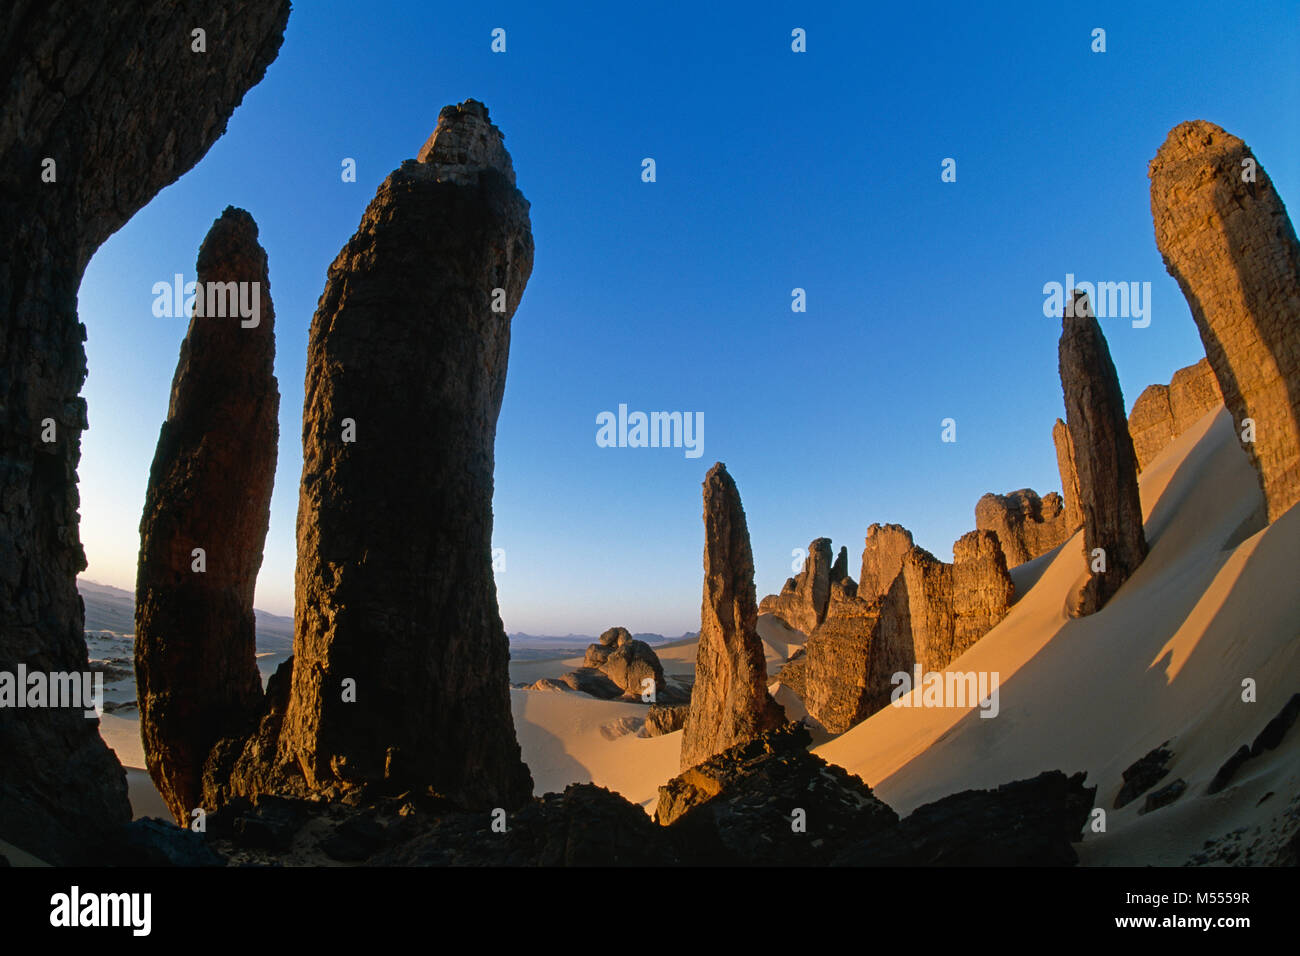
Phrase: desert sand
(1214, 604)
(1164, 661)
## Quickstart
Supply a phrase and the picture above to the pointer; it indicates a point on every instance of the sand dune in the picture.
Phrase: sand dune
(1212, 605)
(1163, 661)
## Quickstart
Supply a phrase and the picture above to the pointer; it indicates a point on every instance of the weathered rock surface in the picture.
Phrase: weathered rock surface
(982, 590)
(802, 602)
(835, 679)
(627, 662)
(729, 703)
(883, 551)
(840, 569)
(406, 369)
(1163, 412)
(1069, 477)
(586, 825)
(1032, 822)
(665, 718)
(1143, 774)
(615, 637)
(1267, 739)
(930, 608)
(1226, 238)
(209, 488)
(1103, 458)
(793, 673)
(929, 614)
(591, 680)
(1026, 525)
(740, 807)
(114, 96)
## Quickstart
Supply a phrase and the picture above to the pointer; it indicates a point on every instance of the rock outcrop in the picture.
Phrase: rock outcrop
(104, 105)
(1226, 238)
(729, 703)
(883, 551)
(982, 590)
(665, 719)
(929, 614)
(835, 678)
(1103, 458)
(400, 658)
(1064, 445)
(768, 801)
(1032, 822)
(1163, 412)
(1026, 525)
(840, 569)
(627, 662)
(802, 602)
(209, 490)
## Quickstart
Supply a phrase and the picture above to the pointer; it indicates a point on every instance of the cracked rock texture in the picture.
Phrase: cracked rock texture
(883, 551)
(729, 703)
(1163, 412)
(1231, 246)
(802, 602)
(113, 94)
(1069, 477)
(1103, 458)
(210, 488)
(1025, 525)
(395, 598)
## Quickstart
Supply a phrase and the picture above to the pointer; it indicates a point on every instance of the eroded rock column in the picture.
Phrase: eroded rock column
(206, 513)
(104, 105)
(1104, 459)
(730, 702)
(400, 670)
(1226, 237)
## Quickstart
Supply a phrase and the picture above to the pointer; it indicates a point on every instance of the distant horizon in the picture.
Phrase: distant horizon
(82, 579)
(777, 173)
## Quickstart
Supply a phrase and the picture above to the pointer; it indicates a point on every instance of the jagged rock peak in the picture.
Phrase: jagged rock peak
(465, 143)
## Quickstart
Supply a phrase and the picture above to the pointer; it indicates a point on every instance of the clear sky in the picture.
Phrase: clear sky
(775, 170)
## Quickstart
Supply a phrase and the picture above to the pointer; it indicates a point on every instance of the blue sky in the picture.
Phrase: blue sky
(775, 170)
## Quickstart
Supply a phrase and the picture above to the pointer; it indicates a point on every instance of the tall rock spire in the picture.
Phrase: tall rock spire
(206, 513)
(730, 702)
(1104, 460)
(400, 670)
(1226, 237)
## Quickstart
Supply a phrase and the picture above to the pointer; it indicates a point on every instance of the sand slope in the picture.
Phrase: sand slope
(1163, 661)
